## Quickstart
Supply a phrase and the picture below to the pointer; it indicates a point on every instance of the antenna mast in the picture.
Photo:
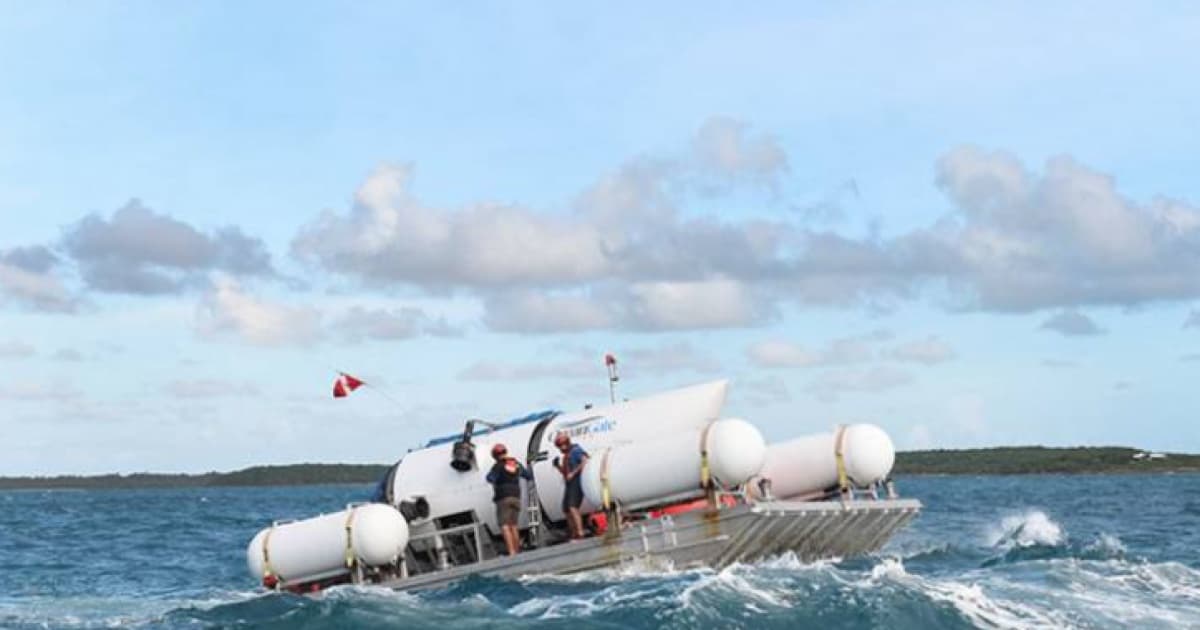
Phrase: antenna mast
(610, 362)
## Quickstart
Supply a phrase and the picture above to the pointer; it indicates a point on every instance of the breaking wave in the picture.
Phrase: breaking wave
(1026, 530)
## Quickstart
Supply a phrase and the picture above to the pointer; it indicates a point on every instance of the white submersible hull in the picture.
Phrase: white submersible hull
(667, 480)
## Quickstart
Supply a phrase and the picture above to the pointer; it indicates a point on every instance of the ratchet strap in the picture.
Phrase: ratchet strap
(269, 575)
(705, 473)
(605, 491)
(350, 538)
(839, 444)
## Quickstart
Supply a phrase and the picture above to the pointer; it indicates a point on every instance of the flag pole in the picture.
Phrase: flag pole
(610, 362)
(384, 394)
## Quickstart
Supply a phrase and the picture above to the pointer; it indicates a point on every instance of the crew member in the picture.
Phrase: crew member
(505, 477)
(571, 466)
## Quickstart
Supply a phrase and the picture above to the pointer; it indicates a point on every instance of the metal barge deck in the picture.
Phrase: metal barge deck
(812, 530)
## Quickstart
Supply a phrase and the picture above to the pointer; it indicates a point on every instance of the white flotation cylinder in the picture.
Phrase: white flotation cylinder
(727, 452)
(809, 464)
(326, 546)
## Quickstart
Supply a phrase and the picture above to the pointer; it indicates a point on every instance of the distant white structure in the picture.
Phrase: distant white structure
(1143, 455)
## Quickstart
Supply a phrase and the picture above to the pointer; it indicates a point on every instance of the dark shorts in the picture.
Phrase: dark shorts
(573, 495)
(508, 510)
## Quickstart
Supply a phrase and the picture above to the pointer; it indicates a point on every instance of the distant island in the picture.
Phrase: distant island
(1004, 460)
(289, 475)
(1028, 460)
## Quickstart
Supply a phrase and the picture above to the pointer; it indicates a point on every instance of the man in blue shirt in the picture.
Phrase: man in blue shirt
(571, 466)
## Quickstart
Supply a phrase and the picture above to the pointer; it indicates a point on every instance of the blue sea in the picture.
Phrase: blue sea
(1087, 551)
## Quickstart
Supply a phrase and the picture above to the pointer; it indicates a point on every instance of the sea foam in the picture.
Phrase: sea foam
(1029, 528)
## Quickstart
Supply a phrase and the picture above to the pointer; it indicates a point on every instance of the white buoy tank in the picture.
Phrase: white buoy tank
(809, 464)
(319, 548)
(727, 452)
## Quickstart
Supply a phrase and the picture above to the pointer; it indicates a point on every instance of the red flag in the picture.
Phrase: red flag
(610, 362)
(344, 385)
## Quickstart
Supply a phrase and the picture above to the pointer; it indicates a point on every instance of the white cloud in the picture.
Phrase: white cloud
(713, 303)
(227, 311)
(209, 388)
(852, 349)
(644, 306)
(626, 255)
(830, 385)
(537, 312)
(774, 353)
(503, 371)
(929, 351)
(388, 236)
(588, 364)
(589, 391)
(39, 391)
(623, 257)
(1065, 237)
(635, 199)
(1072, 324)
(778, 353)
(666, 358)
(143, 252)
(764, 392)
(16, 350)
(359, 324)
(723, 146)
(28, 279)
(68, 355)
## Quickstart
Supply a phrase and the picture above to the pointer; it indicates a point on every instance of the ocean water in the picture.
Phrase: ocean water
(987, 552)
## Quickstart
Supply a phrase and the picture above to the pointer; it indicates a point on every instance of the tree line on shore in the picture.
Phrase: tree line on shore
(1017, 460)
(288, 475)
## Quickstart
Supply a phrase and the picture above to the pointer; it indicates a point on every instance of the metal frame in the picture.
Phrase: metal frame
(715, 537)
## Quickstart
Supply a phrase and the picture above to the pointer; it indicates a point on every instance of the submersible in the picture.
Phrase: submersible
(668, 479)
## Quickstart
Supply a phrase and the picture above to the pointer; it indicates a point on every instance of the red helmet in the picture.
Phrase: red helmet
(499, 451)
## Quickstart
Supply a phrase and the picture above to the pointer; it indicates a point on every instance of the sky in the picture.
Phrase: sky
(973, 224)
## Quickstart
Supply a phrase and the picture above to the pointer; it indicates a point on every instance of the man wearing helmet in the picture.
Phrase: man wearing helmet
(505, 477)
(571, 466)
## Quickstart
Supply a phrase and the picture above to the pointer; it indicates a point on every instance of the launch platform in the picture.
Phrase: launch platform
(812, 530)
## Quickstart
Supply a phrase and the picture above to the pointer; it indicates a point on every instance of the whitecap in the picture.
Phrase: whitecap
(1128, 594)
(580, 605)
(649, 567)
(789, 561)
(975, 604)
(1032, 527)
(888, 568)
(1107, 545)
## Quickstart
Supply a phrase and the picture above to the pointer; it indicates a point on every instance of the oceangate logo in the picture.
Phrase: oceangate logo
(584, 427)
